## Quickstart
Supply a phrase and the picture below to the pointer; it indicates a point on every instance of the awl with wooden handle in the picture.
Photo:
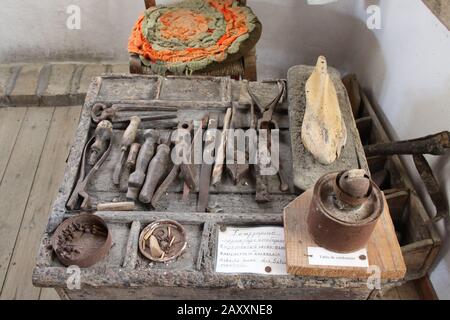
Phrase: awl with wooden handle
(127, 139)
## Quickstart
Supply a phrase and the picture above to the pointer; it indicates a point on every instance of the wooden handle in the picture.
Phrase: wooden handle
(155, 172)
(116, 206)
(136, 179)
(437, 144)
(132, 156)
(103, 134)
(130, 133)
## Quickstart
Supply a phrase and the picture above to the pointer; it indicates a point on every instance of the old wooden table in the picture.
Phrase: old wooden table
(125, 273)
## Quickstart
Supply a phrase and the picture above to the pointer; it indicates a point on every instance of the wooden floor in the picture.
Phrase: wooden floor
(34, 146)
(35, 143)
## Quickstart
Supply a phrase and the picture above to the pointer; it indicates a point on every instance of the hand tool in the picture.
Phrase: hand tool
(156, 125)
(237, 169)
(130, 164)
(220, 154)
(437, 195)
(266, 123)
(83, 180)
(205, 172)
(100, 112)
(437, 144)
(103, 134)
(137, 178)
(127, 139)
(162, 189)
(156, 170)
(116, 206)
(189, 171)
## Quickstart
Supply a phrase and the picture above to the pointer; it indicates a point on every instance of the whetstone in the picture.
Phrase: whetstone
(383, 248)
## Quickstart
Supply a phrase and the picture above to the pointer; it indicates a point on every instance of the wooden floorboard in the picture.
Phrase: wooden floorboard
(45, 186)
(18, 179)
(10, 123)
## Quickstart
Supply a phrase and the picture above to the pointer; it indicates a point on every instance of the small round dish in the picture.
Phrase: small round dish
(162, 241)
(82, 241)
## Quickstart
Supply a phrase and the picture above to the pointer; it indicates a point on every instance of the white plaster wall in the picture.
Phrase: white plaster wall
(405, 65)
(406, 68)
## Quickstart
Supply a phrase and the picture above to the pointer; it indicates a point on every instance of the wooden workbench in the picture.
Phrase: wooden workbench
(125, 273)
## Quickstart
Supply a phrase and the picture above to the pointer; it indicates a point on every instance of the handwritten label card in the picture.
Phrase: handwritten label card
(322, 257)
(257, 250)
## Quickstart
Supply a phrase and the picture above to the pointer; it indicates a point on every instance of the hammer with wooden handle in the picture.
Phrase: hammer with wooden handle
(127, 139)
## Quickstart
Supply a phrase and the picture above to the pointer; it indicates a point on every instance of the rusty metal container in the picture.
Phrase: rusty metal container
(344, 211)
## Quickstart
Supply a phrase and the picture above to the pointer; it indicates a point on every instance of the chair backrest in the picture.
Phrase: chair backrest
(152, 3)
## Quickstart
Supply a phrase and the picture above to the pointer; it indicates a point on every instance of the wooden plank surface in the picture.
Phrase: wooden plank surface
(48, 177)
(10, 123)
(18, 179)
(383, 248)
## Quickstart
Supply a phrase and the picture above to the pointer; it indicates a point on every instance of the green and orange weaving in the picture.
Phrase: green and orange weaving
(191, 35)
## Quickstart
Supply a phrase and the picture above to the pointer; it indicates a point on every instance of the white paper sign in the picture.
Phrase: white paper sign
(259, 250)
(322, 257)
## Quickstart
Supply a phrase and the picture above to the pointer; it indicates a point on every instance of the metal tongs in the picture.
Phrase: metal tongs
(83, 180)
(267, 123)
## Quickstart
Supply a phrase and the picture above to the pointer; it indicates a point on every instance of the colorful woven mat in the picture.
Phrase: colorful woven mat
(188, 36)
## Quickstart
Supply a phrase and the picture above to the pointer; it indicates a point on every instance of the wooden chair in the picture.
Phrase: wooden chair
(243, 68)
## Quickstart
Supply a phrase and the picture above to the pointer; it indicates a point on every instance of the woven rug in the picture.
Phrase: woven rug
(193, 35)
